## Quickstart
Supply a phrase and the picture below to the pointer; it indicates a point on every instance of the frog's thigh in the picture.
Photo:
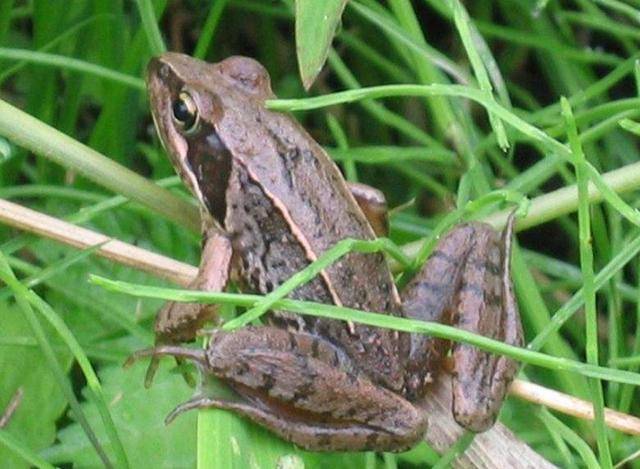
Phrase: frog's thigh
(430, 296)
(486, 305)
(374, 206)
(466, 282)
(309, 393)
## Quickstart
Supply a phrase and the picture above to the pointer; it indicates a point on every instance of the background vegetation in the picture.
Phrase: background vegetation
(77, 66)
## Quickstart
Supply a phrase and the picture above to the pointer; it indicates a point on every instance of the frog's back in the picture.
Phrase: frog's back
(291, 205)
(311, 204)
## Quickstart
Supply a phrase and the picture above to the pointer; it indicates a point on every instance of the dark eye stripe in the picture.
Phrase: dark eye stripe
(210, 161)
(214, 142)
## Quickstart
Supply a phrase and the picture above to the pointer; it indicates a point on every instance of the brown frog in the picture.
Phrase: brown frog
(273, 201)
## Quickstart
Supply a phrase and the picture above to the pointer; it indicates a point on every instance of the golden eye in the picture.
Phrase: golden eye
(185, 112)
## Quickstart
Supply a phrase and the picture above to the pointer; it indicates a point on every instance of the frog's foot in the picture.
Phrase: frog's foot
(305, 390)
(180, 353)
(197, 355)
(466, 282)
(175, 323)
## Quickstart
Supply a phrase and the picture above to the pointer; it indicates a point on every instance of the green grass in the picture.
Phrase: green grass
(464, 113)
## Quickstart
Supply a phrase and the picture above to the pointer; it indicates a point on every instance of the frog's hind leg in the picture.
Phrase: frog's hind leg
(310, 435)
(306, 390)
(481, 379)
(466, 283)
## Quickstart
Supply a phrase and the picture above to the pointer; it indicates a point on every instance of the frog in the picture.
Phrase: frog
(272, 201)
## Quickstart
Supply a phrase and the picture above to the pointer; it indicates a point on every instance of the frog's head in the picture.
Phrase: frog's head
(196, 106)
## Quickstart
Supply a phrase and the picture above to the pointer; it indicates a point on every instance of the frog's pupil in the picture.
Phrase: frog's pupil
(183, 113)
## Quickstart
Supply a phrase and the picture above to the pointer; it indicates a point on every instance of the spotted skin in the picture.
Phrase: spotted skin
(273, 202)
(309, 391)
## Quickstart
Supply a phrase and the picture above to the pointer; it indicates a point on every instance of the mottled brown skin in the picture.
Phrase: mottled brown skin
(272, 202)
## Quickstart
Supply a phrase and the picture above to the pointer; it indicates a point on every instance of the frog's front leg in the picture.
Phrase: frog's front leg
(466, 282)
(305, 390)
(179, 322)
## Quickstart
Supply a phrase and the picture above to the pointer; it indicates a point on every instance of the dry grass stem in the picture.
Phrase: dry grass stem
(44, 225)
(573, 406)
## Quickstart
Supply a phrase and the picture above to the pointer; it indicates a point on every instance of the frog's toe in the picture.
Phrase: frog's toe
(180, 353)
(196, 402)
(152, 369)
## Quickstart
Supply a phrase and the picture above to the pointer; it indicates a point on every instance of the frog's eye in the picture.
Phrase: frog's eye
(185, 112)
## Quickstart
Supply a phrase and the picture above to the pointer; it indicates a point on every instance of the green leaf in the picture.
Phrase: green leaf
(22, 365)
(316, 24)
(139, 416)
